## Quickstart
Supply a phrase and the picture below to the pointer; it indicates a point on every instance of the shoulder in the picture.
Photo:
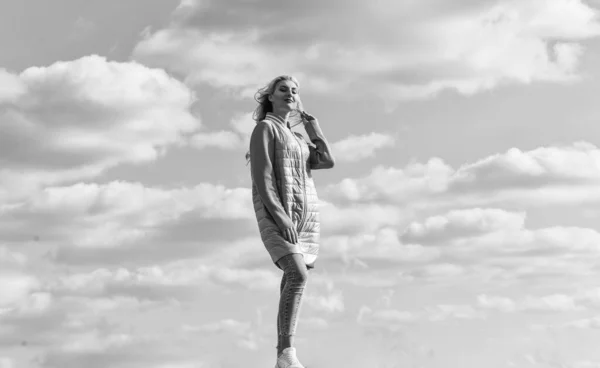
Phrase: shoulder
(264, 126)
(263, 131)
(265, 122)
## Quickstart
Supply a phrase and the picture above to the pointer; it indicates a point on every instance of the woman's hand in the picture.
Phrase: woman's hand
(291, 235)
(307, 117)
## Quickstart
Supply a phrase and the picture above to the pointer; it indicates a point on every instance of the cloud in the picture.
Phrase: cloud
(586, 323)
(44, 320)
(394, 320)
(355, 148)
(590, 297)
(516, 255)
(16, 287)
(540, 177)
(227, 325)
(17, 280)
(548, 303)
(445, 311)
(222, 139)
(35, 320)
(421, 48)
(583, 364)
(238, 138)
(370, 279)
(467, 244)
(435, 271)
(180, 281)
(381, 245)
(360, 218)
(315, 323)
(64, 329)
(391, 185)
(98, 348)
(321, 295)
(12, 87)
(331, 303)
(247, 335)
(578, 163)
(92, 343)
(6, 362)
(73, 120)
(8, 258)
(462, 224)
(497, 303)
(387, 319)
(243, 124)
(114, 220)
(555, 360)
(251, 279)
(479, 239)
(582, 300)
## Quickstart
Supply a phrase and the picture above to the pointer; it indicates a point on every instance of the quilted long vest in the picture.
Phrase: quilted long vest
(298, 196)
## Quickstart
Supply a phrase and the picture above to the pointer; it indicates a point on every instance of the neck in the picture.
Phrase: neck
(282, 114)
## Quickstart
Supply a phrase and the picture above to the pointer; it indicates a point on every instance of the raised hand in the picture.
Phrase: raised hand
(306, 116)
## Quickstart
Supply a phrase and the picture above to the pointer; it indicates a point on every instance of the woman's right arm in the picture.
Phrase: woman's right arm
(262, 155)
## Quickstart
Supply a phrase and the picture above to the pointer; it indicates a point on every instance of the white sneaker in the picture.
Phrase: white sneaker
(288, 359)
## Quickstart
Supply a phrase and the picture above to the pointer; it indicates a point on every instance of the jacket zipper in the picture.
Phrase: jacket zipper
(304, 209)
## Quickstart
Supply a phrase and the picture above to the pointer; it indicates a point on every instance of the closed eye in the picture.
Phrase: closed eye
(284, 89)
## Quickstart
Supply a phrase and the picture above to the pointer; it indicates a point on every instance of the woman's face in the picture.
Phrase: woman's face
(285, 97)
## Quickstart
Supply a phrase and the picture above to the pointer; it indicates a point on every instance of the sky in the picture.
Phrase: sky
(459, 227)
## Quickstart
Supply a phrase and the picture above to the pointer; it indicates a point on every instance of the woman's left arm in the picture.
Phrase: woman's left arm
(320, 156)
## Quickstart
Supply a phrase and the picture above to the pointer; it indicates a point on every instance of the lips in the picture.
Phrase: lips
(288, 100)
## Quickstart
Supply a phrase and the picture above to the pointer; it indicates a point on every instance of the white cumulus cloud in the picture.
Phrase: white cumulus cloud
(542, 176)
(462, 224)
(74, 119)
(422, 48)
(355, 148)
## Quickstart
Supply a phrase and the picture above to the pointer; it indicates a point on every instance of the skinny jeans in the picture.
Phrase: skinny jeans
(293, 282)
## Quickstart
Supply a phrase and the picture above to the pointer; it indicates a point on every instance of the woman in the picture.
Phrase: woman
(285, 199)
